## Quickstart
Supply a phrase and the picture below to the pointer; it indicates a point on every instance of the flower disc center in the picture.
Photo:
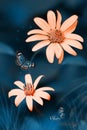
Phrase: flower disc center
(56, 36)
(29, 89)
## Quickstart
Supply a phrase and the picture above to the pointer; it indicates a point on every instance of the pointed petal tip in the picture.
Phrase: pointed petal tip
(27, 40)
(31, 110)
(57, 11)
(9, 95)
(75, 54)
(15, 83)
(75, 16)
(35, 19)
(59, 62)
(27, 74)
(16, 105)
(42, 104)
(28, 78)
(81, 48)
(53, 89)
(42, 75)
(28, 33)
(33, 49)
(82, 40)
(51, 62)
(49, 98)
(49, 11)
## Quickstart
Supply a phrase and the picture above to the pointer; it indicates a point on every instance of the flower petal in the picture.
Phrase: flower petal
(38, 100)
(19, 99)
(71, 28)
(69, 22)
(51, 19)
(40, 45)
(74, 43)
(19, 84)
(37, 81)
(68, 49)
(45, 89)
(28, 79)
(59, 19)
(74, 37)
(50, 53)
(29, 102)
(15, 92)
(58, 50)
(59, 53)
(61, 57)
(42, 94)
(42, 24)
(36, 38)
(37, 31)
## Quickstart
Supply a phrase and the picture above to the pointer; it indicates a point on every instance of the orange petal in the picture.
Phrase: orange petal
(42, 24)
(37, 31)
(71, 28)
(37, 81)
(15, 92)
(19, 84)
(43, 95)
(58, 50)
(51, 19)
(40, 45)
(28, 79)
(19, 99)
(59, 19)
(59, 53)
(68, 49)
(61, 57)
(50, 53)
(74, 43)
(36, 38)
(45, 89)
(75, 37)
(29, 102)
(38, 100)
(69, 22)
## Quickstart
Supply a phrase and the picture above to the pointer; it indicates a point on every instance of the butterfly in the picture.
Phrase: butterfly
(23, 62)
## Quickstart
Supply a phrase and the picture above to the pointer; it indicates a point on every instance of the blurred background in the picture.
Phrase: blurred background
(67, 109)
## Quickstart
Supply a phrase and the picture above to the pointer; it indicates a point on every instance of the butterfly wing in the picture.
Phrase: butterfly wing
(27, 64)
(20, 59)
(22, 62)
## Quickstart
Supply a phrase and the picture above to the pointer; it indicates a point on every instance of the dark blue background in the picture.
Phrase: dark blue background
(69, 79)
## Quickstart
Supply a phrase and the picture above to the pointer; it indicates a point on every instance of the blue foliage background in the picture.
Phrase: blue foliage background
(69, 79)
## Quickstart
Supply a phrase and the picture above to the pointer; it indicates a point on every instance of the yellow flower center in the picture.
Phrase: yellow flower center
(29, 89)
(56, 36)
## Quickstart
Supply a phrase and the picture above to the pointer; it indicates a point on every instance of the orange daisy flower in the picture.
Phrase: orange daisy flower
(30, 92)
(58, 37)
